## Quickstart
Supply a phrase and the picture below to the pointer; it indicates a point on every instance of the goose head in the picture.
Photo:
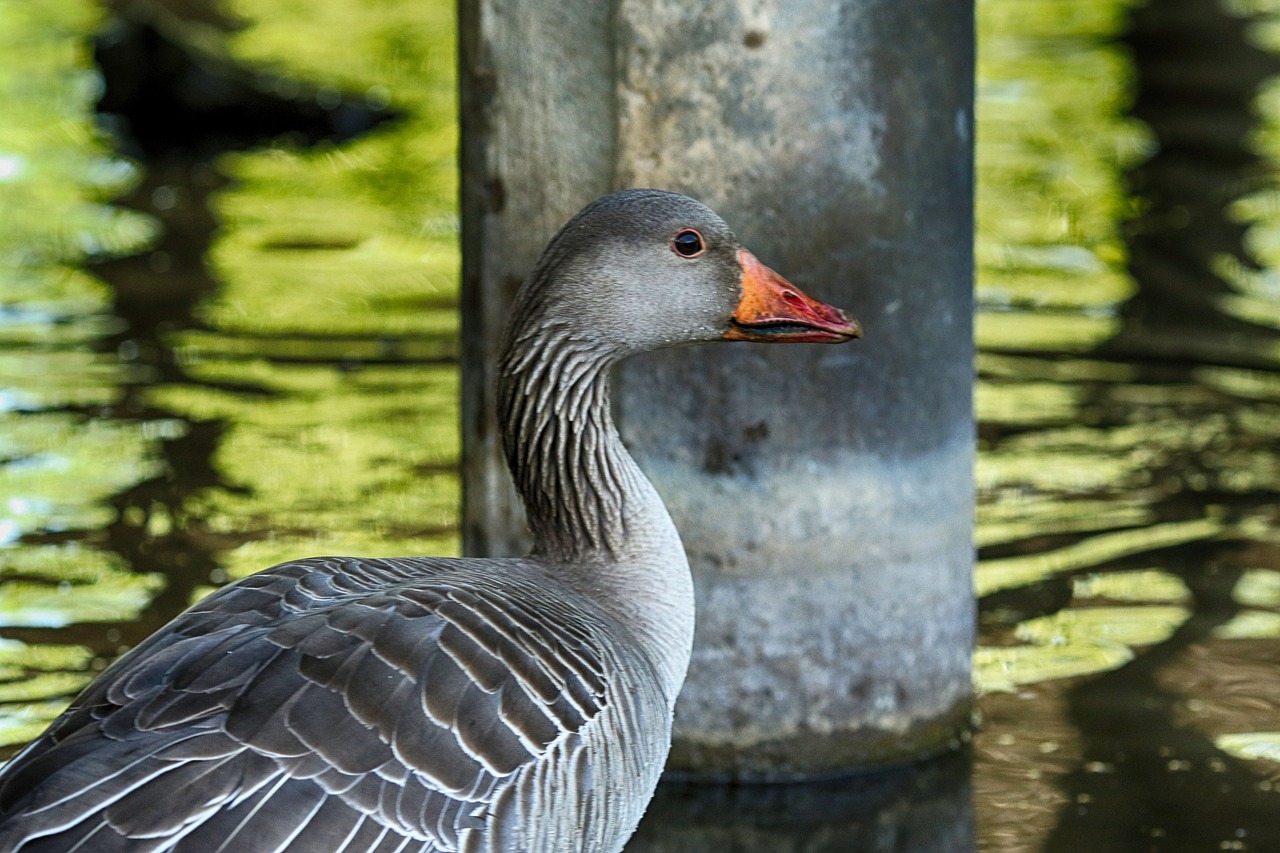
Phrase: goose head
(643, 269)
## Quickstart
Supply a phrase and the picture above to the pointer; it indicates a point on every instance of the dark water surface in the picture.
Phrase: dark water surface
(230, 342)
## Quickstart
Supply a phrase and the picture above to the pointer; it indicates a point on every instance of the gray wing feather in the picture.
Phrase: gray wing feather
(328, 705)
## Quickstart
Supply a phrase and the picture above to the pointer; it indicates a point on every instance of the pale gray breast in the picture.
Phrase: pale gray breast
(356, 705)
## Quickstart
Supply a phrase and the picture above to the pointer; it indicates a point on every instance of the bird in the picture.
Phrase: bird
(478, 705)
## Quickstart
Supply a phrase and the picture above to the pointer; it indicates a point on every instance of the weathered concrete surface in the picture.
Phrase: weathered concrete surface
(537, 110)
(824, 493)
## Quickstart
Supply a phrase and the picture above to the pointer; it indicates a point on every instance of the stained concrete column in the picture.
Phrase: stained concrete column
(824, 493)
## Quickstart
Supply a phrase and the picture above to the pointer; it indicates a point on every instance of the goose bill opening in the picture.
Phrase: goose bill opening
(773, 310)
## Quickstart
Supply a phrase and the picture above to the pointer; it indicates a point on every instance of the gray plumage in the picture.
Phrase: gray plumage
(424, 704)
(335, 704)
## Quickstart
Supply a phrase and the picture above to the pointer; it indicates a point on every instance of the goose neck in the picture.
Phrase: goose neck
(597, 522)
(577, 481)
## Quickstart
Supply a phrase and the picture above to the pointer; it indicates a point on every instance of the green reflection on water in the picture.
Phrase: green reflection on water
(1245, 384)
(1250, 625)
(29, 676)
(357, 460)
(1002, 669)
(1143, 585)
(1053, 143)
(56, 170)
(1028, 403)
(56, 173)
(1251, 745)
(39, 605)
(328, 261)
(22, 722)
(15, 654)
(331, 260)
(1064, 333)
(1086, 640)
(1133, 626)
(44, 686)
(1258, 588)
(55, 585)
(1080, 641)
(356, 240)
(1013, 520)
(1009, 572)
(330, 347)
(59, 468)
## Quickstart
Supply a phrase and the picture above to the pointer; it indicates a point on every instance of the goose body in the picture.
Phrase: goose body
(436, 704)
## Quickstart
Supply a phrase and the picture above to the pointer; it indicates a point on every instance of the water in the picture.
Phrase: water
(234, 345)
(1128, 444)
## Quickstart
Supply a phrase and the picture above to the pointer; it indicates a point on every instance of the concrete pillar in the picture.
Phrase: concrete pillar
(824, 493)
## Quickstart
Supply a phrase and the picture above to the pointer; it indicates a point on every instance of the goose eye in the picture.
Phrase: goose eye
(687, 243)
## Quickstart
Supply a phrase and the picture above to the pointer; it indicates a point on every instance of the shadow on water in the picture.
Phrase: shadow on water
(177, 112)
(165, 103)
(1148, 779)
(1148, 782)
(1198, 75)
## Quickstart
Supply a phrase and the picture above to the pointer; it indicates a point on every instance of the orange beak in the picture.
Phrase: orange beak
(773, 310)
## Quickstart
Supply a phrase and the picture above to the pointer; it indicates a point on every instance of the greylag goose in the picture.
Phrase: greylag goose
(433, 704)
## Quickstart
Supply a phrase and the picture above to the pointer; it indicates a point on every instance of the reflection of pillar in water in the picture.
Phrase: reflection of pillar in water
(1201, 248)
(923, 809)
